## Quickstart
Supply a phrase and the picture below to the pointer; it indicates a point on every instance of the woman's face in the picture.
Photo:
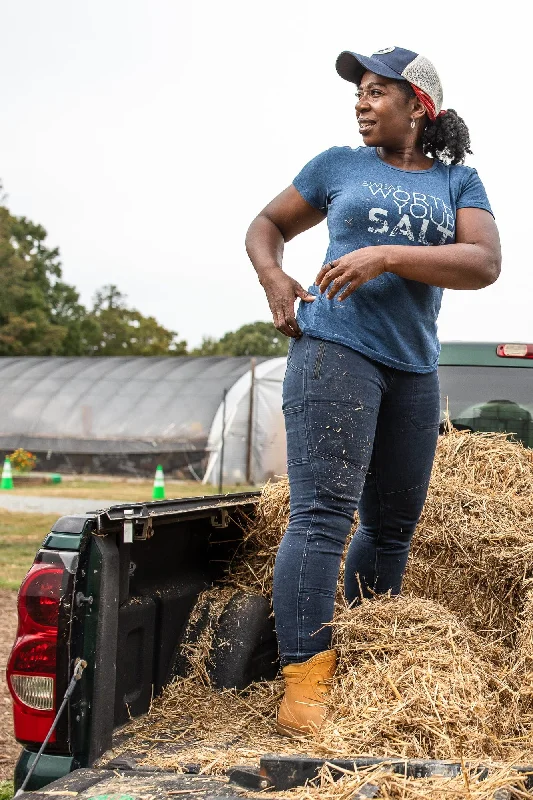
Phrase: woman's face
(383, 112)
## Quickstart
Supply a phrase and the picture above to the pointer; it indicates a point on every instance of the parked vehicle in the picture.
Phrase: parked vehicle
(488, 387)
(105, 606)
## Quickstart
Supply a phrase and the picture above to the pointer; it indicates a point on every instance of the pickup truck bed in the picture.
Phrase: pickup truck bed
(133, 574)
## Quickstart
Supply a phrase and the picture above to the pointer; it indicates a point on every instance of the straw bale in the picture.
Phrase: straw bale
(473, 547)
(414, 681)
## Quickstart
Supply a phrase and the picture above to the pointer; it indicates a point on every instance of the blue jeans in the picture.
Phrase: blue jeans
(360, 435)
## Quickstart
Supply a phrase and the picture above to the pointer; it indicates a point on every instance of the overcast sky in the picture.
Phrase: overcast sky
(146, 134)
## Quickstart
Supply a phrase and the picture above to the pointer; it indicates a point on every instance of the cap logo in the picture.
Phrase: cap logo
(385, 50)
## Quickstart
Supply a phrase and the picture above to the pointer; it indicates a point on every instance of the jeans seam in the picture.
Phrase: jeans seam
(317, 369)
(378, 493)
(403, 491)
(299, 632)
(293, 409)
(300, 591)
(343, 459)
(347, 403)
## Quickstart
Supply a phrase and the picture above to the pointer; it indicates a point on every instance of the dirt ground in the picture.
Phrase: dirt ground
(9, 749)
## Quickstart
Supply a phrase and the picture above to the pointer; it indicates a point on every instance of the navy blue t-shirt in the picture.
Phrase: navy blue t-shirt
(369, 202)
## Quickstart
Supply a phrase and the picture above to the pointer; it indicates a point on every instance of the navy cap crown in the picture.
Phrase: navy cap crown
(396, 58)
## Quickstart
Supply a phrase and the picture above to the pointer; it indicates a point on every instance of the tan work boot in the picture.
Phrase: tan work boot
(303, 709)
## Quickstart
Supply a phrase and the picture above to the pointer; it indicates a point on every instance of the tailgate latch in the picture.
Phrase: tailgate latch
(221, 519)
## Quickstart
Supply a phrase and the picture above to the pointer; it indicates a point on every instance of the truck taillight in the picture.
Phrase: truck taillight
(34, 691)
(31, 669)
(39, 597)
(34, 654)
(515, 350)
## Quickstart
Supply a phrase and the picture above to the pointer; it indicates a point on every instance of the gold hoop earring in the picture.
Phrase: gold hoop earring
(412, 123)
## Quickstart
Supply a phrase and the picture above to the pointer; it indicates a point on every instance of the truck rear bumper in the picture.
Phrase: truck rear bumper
(49, 768)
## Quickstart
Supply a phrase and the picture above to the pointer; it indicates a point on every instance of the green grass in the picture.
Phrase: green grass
(124, 490)
(20, 537)
(6, 790)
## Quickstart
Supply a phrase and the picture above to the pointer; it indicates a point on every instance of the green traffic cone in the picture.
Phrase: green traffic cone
(159, 484)
(7, 475)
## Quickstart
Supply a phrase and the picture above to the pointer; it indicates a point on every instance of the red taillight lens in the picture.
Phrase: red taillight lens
(39, 597)
(31, 670)
(35, 655)
(515, 350)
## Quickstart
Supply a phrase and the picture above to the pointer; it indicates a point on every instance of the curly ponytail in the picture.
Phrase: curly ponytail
(447, 138)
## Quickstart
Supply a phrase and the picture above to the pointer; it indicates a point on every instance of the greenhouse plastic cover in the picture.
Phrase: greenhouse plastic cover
(105, 404)
(260, 428)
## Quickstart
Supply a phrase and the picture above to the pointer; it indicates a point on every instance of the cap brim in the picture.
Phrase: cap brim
(352, 66)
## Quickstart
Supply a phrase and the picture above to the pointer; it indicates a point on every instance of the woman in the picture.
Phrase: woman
(361, 395)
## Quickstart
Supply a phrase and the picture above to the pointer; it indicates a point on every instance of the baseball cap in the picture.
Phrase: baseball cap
(396, 63)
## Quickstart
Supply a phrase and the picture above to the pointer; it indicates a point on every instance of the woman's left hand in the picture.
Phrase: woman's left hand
(351, 271)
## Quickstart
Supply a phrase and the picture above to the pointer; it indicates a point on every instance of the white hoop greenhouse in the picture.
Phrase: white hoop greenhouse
(125, 415)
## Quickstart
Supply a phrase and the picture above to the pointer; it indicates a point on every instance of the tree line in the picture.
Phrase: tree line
(41, 315)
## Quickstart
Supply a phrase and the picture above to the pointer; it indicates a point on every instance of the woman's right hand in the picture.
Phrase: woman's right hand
(281, 220)
(282, 291)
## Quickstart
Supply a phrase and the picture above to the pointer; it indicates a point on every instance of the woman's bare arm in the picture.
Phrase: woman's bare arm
(279, 222)
(472, 262)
